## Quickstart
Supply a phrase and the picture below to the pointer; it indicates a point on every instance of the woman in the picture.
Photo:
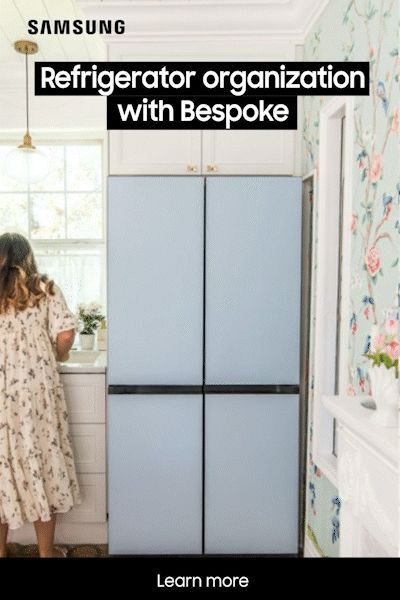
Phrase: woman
(37, 470)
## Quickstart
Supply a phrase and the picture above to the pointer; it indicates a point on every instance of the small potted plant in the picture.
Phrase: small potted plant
(384, 372)
(90, 317)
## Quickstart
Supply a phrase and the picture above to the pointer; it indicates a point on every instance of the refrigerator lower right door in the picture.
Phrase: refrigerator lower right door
(251, 474)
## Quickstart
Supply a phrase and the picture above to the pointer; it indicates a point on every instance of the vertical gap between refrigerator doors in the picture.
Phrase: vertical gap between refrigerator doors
(204, 366)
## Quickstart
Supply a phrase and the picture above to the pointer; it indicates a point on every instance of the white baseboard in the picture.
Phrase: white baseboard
(310, 550)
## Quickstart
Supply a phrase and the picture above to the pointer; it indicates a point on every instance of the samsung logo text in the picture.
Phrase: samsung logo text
(77, 27)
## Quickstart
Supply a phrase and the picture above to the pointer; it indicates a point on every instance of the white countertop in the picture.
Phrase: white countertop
(85, 362)
(349, 412)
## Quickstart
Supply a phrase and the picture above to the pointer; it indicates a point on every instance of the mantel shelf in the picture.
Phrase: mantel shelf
(349, 412)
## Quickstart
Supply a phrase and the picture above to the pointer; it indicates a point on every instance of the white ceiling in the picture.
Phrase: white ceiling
(279, 18)
(14, 15)
(286, 19)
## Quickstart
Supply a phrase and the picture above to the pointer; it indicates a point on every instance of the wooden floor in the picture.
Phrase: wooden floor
(76, 551)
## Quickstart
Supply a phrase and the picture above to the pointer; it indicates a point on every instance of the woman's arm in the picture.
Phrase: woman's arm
(64, 342)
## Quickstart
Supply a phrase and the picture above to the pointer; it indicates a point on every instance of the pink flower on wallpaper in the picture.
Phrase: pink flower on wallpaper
(392, 350)
(366, 312)
(376, 168)
(351, 391)
(354, 223)
(373, 261)
(395, 122)
(372, 51)
(391, 326)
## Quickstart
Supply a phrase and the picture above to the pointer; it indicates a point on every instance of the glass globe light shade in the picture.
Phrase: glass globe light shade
(28, 165)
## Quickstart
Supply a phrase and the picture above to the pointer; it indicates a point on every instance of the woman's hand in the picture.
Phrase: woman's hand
(64, 342)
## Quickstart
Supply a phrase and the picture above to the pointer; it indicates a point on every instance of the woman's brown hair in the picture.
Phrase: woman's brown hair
(21, 285)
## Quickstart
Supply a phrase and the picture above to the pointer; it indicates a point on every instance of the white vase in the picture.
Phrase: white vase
(86, 341)
(385, 392)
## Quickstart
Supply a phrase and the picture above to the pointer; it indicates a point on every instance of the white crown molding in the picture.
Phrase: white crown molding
(180, 3)
(286, 19)
(177, 35)
(319, 9)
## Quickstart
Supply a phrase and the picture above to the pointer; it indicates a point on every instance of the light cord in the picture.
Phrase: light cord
(27, 93)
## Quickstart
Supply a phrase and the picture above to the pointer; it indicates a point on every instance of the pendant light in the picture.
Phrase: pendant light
(26, 163)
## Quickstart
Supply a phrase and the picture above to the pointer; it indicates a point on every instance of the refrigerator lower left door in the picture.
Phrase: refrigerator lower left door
(155, 474)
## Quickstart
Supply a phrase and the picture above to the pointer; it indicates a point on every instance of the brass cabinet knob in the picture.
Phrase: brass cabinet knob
(191, 169)
(212, 169)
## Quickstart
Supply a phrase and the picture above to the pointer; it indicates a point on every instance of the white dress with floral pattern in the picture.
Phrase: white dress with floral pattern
(37, 470)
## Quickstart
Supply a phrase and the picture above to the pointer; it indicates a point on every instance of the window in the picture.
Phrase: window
(333, 254)
(63, 217)
(341, 225)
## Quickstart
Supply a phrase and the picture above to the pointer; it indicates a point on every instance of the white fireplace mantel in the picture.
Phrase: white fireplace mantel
(368, 480)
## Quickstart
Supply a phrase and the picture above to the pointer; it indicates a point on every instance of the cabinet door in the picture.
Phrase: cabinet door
(251, 482)
(93, 506)
(248, 152)
(86, 397)
(89, 444)
(155, 152)
(155, 280)
(253, 234)
(155, 474)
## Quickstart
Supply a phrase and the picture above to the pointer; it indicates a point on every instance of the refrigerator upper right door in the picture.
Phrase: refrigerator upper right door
(253, 262)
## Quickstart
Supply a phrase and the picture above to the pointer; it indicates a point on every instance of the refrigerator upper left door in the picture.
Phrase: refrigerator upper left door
(155, 282)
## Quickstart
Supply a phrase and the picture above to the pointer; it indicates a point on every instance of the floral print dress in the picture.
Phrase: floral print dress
(37, 470)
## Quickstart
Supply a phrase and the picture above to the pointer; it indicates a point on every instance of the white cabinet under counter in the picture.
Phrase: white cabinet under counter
(368, 481)
(85, 392)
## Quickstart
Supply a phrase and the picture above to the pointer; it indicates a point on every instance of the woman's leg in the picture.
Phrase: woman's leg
(3, 540)
(45, 538)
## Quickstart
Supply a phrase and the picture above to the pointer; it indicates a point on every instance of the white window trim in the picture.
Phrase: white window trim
(326, 280)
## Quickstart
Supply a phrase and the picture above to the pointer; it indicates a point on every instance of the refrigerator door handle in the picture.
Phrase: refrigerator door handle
(155, 389)
(206, 389)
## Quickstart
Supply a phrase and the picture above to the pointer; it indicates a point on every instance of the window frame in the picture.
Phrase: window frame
(327, 262)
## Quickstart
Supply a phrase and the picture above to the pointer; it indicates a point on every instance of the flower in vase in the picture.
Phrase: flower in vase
(384, 347)
(378, 343)
(391, 326)
(392, 350)
(90, 317)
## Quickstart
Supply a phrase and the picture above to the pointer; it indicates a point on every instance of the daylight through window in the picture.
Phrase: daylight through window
(63, 217)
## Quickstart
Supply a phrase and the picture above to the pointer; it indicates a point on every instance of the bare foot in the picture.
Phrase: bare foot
(60, 553)
(56, 553)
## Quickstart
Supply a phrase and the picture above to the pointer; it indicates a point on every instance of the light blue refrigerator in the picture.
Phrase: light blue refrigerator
(203, 378)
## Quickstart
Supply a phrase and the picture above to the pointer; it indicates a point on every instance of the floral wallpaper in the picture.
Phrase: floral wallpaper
(359, 30)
